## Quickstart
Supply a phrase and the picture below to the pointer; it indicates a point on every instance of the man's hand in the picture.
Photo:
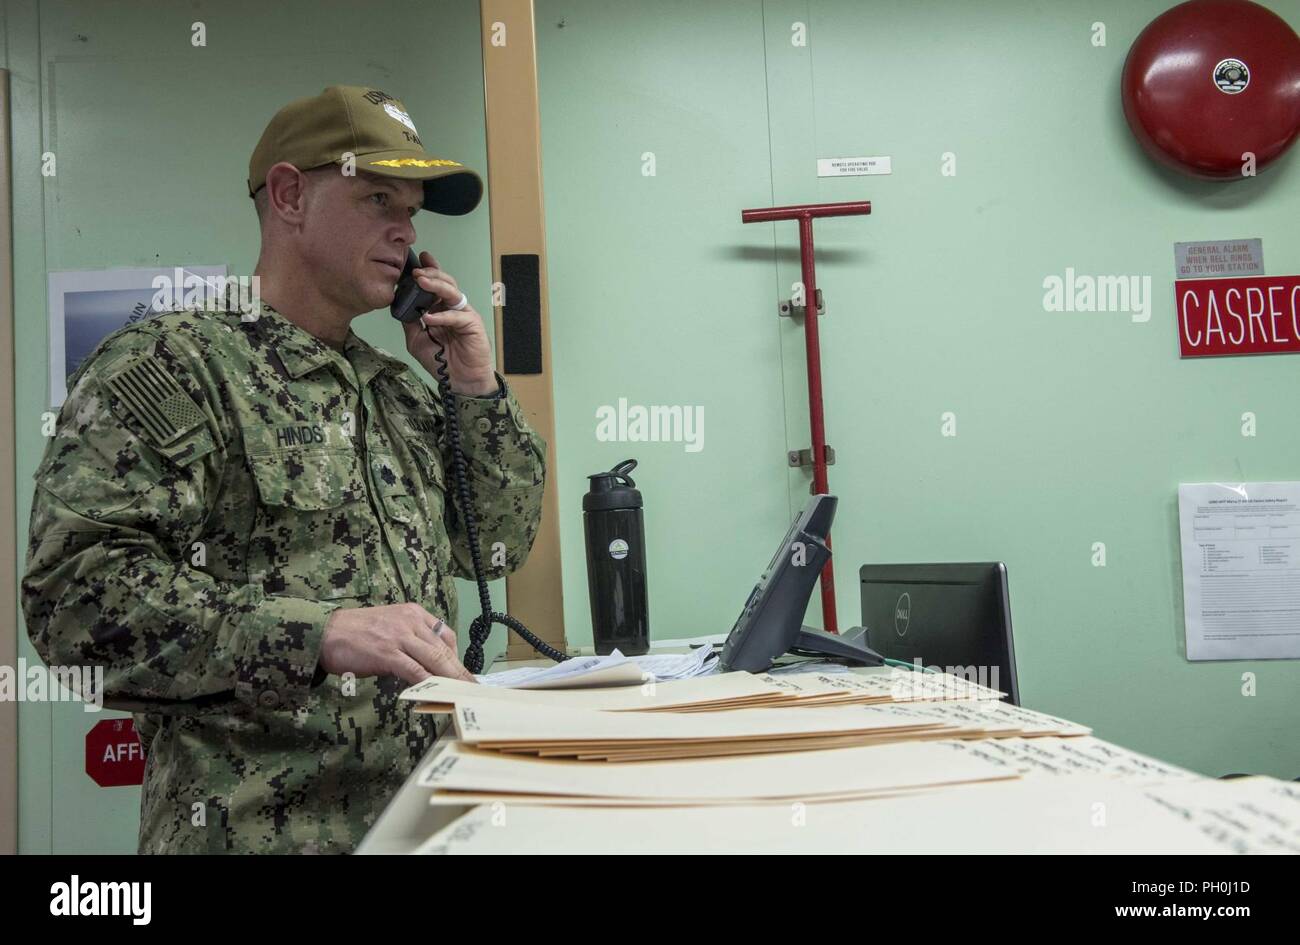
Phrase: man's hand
(402, 640)
(462, 335)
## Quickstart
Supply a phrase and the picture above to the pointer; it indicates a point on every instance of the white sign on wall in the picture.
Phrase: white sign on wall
(853, 166)
(1241, 569)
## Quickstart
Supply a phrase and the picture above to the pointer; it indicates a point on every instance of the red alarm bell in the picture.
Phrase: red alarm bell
(1211, 82)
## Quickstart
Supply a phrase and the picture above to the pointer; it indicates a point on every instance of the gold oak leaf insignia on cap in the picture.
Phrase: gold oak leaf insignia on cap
(155, 399)
(416, 162)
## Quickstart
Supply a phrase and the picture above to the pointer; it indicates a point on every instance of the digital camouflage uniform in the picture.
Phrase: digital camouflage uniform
(216, 488)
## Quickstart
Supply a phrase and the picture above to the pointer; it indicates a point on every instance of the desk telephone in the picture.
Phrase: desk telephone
(770, 623)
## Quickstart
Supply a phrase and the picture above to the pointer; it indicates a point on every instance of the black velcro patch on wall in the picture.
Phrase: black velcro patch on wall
(521, 316)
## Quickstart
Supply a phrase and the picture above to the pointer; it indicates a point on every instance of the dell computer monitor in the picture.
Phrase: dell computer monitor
(956, 617)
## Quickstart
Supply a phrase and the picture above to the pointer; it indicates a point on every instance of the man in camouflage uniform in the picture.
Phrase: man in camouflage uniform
(247, 518)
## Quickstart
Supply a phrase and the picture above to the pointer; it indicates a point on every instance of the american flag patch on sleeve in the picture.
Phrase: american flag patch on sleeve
(156, 400)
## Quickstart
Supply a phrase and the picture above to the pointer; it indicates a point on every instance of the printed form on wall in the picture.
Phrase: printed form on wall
(1241, 569)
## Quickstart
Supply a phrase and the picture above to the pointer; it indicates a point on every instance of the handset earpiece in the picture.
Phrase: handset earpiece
(410, 301)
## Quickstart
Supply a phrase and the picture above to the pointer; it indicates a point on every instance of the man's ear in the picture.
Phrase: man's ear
(286, 192)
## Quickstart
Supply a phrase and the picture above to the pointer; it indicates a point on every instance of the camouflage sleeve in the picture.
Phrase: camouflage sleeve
(113, 575)
(506, 460)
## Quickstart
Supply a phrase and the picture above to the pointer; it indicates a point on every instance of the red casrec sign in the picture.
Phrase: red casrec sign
(114, 755)
(1242, 315)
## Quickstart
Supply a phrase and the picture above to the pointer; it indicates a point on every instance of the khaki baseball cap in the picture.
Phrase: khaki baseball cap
(377, 130)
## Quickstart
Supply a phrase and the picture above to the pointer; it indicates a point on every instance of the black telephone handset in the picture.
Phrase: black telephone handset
(409, 303)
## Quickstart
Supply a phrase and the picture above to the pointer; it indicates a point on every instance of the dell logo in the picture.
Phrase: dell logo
(902, 613)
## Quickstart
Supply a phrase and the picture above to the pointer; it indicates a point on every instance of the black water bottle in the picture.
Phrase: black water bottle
(615, 529)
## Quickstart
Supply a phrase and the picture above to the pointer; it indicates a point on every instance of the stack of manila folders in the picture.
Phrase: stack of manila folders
(820, 761)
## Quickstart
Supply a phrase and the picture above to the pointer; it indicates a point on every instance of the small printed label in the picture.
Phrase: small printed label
(853, 166)
(1219, 258)
(1231, 76)
(618, 549)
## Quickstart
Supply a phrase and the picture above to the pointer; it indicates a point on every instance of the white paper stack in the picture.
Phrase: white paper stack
(818, 763)
(897, 685)
(584, 735)
(1244, 815)
(438, 694)
(1084, 814)
(1050, 756)
(461, 775)
(582, 672)
(711, 693)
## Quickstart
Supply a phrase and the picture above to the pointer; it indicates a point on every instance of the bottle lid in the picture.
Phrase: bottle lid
(613, 490)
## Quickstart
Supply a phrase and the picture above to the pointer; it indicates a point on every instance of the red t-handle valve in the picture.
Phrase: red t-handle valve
(805, 214)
